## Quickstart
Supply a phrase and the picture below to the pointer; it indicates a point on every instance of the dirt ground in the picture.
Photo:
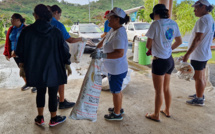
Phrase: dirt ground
(18, 110)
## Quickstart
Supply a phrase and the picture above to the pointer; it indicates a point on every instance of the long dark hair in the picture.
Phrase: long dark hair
(43, 12)
(18, 16)
(123, 20)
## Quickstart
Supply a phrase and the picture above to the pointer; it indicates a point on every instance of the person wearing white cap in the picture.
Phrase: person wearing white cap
(115, 45)
(199, 50)
(160, 35)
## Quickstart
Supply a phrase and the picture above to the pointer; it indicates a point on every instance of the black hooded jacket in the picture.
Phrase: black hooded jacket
(44, 52)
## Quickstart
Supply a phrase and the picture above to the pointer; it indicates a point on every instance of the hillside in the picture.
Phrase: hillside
(70, 11)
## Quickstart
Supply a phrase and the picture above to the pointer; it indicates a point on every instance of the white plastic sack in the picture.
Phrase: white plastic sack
(76, 50)
(185, 70)
(127, 79)
(88, 100)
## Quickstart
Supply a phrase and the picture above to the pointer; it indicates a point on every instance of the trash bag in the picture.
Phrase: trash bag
(76, 50)
(87, 103)
(185, 69)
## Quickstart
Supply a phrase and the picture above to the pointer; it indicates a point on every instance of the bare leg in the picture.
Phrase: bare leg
(167, 94)
(61, 93)
(200, 82)
(117, 102)
(40, 111)
(158, 81)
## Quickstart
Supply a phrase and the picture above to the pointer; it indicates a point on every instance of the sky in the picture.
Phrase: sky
(81, 2)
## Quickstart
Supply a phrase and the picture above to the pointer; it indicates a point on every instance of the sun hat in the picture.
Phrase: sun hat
(156, 8)
(204, 2)
(118, 12)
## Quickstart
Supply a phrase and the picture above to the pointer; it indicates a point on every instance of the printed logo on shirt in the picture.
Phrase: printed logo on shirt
(169, 33)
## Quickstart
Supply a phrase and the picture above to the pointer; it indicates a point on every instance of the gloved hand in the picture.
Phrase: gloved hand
(84, 39)
(98, 55)
(69, 70)
(21, 72)
(149, 52)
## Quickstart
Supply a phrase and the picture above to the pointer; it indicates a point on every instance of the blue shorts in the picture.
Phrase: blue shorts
(115, 82)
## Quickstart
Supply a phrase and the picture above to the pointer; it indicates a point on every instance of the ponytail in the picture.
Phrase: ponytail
(18, 16)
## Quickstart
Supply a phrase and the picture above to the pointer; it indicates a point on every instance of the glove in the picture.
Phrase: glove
(149, 52)
(68, 68)
(98, 55)
(84, 39)
(22, 72)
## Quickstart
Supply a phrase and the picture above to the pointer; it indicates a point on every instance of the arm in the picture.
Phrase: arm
(73, 40)
(117, 53)
(100, 44)
(178, 41)
(197, 39)
(149, 43)
(103, 35)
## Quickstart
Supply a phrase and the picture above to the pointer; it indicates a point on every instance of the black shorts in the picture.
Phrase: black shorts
(163, 66)
(198, 65)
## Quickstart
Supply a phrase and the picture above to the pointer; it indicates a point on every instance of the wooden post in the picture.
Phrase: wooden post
(168, 4)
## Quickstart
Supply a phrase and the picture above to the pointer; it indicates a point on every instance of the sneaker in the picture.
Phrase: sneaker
(196, 102)
(66, 104)
(113, 117)
(25, 87)
(194, 96)
(39, 120)
(57, 120)
(111, 110)
(34, 90)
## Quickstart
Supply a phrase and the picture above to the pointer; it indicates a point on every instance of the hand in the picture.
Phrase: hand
(69, 70)
(22, 72)
(186, 57)
(98, 55)
(7, 58)
(13, 54)
(149, 52)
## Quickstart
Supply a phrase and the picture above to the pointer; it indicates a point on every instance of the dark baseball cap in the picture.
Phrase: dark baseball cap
(156, 8)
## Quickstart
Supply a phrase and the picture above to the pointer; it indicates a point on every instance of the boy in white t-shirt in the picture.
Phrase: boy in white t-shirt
(199, 50)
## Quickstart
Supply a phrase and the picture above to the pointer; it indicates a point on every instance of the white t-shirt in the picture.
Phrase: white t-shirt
(163, 32)
(206, 26)
(116, 40)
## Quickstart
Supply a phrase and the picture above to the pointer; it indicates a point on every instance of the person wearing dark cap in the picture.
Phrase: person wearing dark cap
(160, 35)
(199, 50)
(115, 46)
(106, 27)
(43, 55)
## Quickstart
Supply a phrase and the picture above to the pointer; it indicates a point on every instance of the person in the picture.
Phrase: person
(160, 37)
(115, 45)
(199, 50)
(44, 55)
(12, 38)
(56, 13)
(106, 27)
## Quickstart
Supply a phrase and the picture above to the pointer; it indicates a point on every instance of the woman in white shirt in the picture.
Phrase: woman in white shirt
(115, 45)
(160, 37)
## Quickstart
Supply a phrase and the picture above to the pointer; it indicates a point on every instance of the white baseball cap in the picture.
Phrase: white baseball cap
(118, 12)
(204, 2)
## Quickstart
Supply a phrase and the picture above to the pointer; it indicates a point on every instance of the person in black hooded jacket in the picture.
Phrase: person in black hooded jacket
(43, 55)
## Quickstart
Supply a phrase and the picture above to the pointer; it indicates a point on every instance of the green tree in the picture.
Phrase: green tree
(1, 30)
(185, 16)
(67, 22)
(148, 9)
(140, 14)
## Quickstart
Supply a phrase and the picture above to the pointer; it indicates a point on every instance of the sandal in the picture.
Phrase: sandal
(168, 116)
(149, 117)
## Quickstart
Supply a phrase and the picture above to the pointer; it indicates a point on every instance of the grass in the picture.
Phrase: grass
(211, 61)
